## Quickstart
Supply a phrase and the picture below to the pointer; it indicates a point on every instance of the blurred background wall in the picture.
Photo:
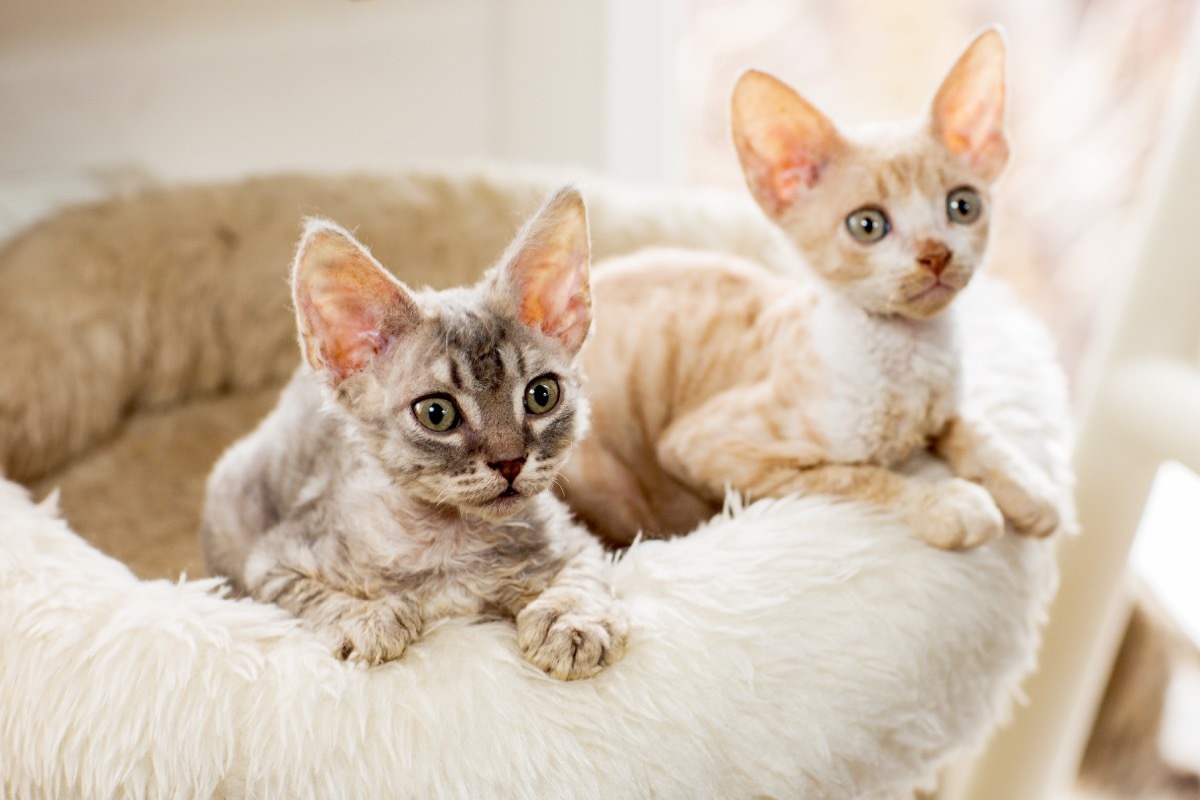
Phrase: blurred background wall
(226, 87)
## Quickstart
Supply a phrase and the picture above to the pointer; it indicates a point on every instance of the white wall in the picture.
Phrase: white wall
(225, 87)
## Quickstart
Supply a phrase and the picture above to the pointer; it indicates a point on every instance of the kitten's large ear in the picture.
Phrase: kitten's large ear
(348, 307)
(545, 272)
(967, 112)
(782, 141)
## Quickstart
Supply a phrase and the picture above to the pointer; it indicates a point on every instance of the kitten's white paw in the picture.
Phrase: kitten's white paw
(571, 634)
(963, 516)
(372, 632)
(1026, 501)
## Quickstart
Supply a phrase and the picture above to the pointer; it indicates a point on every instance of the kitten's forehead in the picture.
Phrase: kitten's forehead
(471, 345)
(890, 162)
(475, 331)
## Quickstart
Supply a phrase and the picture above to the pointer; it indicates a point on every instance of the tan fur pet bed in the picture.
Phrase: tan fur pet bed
(799, 648)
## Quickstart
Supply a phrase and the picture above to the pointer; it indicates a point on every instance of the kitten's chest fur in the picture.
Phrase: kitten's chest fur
(886, 385)
(456, 564)
(450, 562)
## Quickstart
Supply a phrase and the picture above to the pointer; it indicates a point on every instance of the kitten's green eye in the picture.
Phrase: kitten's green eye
(868, 225)
(541, 395)
(963, 205)
(436, 413)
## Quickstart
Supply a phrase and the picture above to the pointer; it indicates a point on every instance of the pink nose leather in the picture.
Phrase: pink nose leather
(934, 256)
(509, 469)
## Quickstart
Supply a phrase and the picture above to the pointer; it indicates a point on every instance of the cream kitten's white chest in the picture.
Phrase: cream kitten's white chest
(887, 384)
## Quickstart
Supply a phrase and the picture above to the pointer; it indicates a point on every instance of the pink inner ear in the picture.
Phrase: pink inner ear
(793, 174)
(782, 141)
(348, 308)
(976, 135)
(968, 110)
(347, 330)
(546, 279)
(778, 184)
(555, 299)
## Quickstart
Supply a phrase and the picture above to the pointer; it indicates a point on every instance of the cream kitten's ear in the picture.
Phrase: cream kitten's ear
(782, 141)
(348, 307)
(968, 110)
(545, 273)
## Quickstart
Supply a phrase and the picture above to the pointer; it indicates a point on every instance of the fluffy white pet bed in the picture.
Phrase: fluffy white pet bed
(797, 648)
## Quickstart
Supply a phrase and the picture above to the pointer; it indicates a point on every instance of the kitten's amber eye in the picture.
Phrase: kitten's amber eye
(541, 395)
(868, 225)
(963, 205)
(436, 413)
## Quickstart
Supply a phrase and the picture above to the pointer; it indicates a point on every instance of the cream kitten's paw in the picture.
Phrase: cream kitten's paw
(372, 632)
(1026, 501)
(962, 516)
(571, 634)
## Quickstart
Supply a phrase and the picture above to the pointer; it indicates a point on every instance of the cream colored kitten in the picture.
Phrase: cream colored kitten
(403, 476)
(708, 372)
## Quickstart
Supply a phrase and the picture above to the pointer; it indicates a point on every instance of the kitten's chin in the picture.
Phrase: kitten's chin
(929, 303)
(500, 507)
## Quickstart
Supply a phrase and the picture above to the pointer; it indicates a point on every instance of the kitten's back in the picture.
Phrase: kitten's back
(674, 328)
(260, 477)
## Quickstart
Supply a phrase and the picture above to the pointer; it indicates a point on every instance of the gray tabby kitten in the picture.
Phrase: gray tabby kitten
(402, 477)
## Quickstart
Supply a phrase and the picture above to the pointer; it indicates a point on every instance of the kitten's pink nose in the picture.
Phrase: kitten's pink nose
(934, 256)
(509, 469)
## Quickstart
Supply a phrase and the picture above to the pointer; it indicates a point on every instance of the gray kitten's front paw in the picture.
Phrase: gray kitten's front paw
(572, 634)
(371, 632)
(963, 516)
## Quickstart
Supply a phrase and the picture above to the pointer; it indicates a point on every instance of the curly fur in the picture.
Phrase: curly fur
(798, 649)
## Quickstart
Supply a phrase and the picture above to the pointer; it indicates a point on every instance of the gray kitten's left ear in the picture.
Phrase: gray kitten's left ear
(967, 112)
(545, 272)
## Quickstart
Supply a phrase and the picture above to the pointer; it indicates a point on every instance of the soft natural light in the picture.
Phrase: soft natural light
(1167, 548)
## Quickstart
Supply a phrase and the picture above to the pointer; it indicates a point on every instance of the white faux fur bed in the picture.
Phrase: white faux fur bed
(794, 649)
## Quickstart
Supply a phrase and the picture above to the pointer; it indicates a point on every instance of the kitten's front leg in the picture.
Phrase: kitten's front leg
(977, 452)
(950, 514)
(372, 630)
(576, 627)
(713, 448)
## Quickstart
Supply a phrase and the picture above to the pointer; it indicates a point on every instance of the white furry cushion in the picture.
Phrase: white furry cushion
(794, 649)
